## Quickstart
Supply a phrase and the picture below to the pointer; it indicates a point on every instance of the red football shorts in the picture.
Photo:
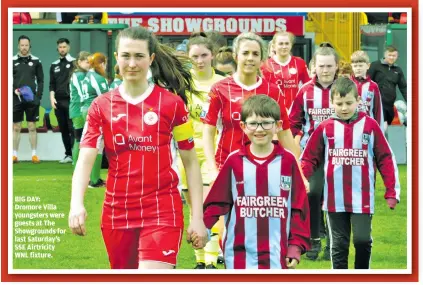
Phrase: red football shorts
(127, 247)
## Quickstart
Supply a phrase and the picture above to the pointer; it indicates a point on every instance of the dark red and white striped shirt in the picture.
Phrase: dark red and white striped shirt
(224, 112)
(371, 102)
(289, 76)
(350, 153)
(140, 137)
(265, 207)
(310, 108)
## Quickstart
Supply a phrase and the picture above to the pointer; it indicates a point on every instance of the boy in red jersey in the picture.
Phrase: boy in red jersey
(368, 90)
(261, 194)
(350, 145)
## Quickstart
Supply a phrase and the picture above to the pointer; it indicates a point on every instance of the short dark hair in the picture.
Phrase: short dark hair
(260, 105)
(391, 48)
(343, 86)
(63, 40)
(23, 37)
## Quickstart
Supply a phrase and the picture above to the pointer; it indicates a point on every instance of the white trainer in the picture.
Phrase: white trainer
(67, 159)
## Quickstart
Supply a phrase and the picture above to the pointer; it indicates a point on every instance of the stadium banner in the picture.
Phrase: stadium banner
(227, 24)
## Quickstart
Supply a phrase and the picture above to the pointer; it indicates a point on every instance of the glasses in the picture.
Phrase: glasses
(252, 126)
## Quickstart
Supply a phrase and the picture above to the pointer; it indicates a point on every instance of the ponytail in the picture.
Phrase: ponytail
(95, 61)
(225, 56)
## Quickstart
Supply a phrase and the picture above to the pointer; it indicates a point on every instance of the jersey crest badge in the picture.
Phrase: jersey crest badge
(150, 118)
(365, 139)
(30, 63)
(285, 183)
(292, 70)
(370, 95)
(67, 65)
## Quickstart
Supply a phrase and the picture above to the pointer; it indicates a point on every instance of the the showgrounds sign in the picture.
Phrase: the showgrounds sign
(225, 23)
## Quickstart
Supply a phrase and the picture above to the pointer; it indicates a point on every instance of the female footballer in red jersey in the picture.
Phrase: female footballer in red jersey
(282, 68)
(227, 96)
(142, 124)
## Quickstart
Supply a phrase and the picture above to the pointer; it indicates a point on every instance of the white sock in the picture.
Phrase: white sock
(15, 153)
(34, 152)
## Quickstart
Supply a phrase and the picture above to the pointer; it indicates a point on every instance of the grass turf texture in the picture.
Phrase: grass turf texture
(51, 182)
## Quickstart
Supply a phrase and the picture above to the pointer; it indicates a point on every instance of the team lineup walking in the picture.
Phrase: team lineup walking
(275, 156)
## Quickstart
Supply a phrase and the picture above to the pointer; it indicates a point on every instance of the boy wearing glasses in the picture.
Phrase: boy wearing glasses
(261, 194)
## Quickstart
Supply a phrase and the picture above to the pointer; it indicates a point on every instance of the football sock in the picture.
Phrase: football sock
(75, 153)
(212, 247)
(95, 173)
(199, 255)
(15, 153)
(34, 152)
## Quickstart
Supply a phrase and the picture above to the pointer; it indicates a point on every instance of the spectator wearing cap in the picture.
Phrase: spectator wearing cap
(28, 82)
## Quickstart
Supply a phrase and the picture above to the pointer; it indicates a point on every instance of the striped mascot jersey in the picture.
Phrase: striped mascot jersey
(140, 137)
(290, 76)
(226, 98)
(310, 108)
(371, 102)
(265, 208)
(92, 86)
(350, 153)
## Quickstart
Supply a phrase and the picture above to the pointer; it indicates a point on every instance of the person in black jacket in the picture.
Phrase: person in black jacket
(27, 71)
(60, 71)
(388, 76)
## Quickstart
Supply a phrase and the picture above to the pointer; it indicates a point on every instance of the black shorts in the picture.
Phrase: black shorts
(388, 114)
(31, 109)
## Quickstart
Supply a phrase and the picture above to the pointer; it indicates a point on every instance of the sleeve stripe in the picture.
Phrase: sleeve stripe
(183, 132)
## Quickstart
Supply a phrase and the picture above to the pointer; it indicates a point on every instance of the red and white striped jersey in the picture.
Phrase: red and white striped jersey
(265, 207)
(371, 102)
(350, 153)
(290, 76)
(140, 137)
(224, 112)
(310, 108)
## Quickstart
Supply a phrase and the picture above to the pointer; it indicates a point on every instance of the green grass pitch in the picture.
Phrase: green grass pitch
(52, 183)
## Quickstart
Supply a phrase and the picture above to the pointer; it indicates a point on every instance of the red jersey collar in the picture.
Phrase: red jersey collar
(316, 83)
